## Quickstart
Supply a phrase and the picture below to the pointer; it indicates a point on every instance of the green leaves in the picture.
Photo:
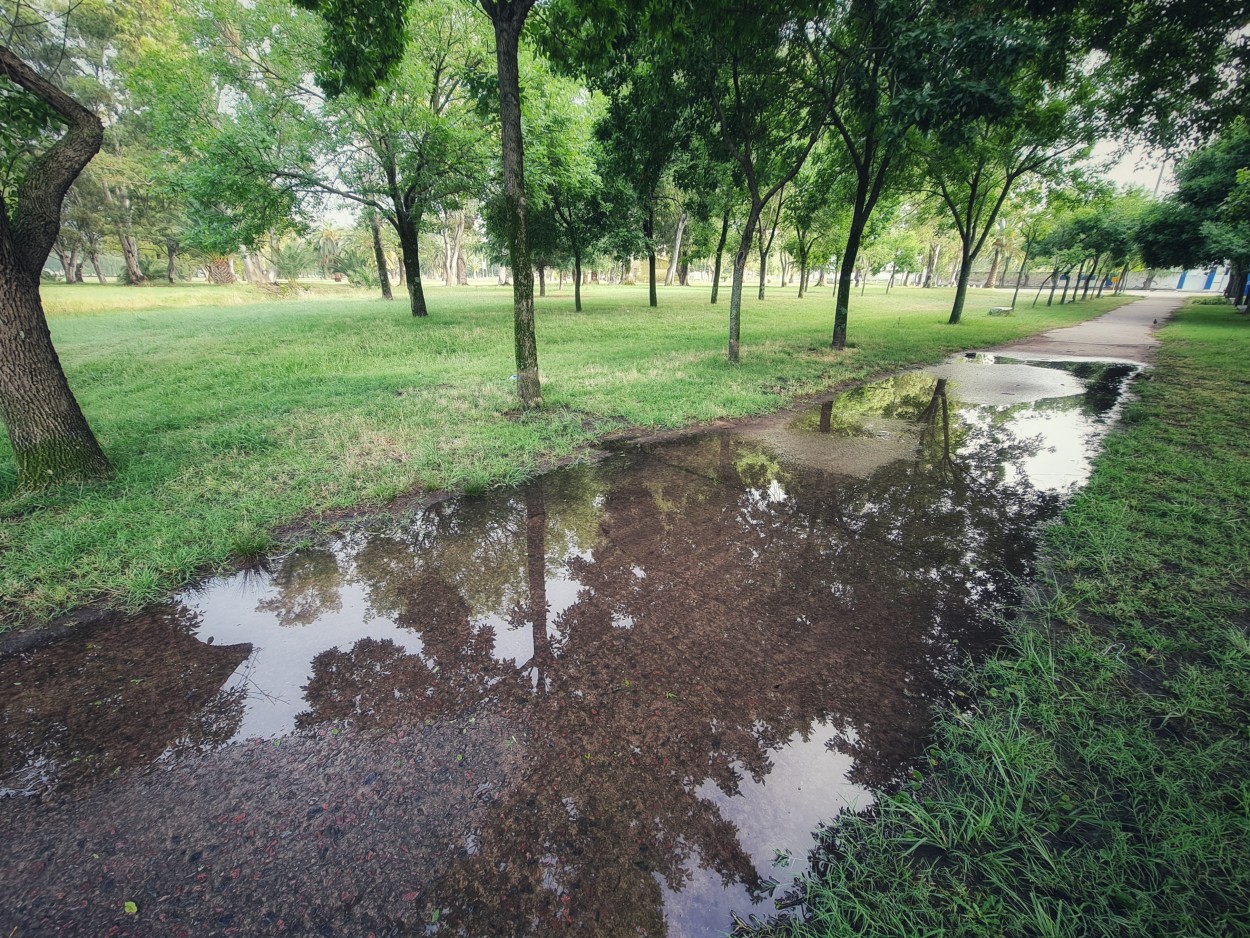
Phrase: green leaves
(363, 44)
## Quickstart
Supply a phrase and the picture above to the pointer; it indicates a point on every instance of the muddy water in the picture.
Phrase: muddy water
(616, 701)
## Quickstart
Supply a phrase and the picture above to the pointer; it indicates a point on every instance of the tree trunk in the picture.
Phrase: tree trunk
(1024, 264)
(802, 273)
(508, 17)
(51, 440)
(379, 256)
(961, 286)
(462, 269)
(720, 252)
(1093, 269)
(991, 280)
(735, 290)
(49, 435)
(675, 259)
(1054, 282)
(407, 227)
(648, 229)
(171, 250)
(449, 264)
(842, 312)
(94, 257)
(577, 281)
(935, 250)
(542, 279)
(820, 279)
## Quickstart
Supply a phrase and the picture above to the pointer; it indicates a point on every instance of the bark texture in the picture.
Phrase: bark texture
(379, 257)
(508, 17)
(51, 439)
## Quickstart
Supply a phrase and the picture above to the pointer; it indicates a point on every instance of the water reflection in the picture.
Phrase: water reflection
(707, 646)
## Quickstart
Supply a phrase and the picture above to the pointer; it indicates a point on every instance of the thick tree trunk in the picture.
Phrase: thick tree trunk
(675, 259)
(94, 257)
(961, 285)
(739, 273)
(379, 256)
(820, 279)
(171, 251)
(49, 435)
(462, 269)
(720, 253)
(542, 279)
(51, 440)
(508, 18)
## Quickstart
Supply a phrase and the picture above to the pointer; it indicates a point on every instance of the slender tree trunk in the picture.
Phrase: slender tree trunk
(51, 440)
(802, 272)
(171, 271)
(783, 263)
(1063, 297)
(763, 262)
(449, 264)
(1024, 265)
(991, 279)
(842, 313)
(407, 227)
(71, 272)
(508, 19)
(648, 229)
(577, 281)
(379, 256)
(675, 259)
(935, 250)
(961, 286)
(1054, 282)
(739, 273)
(820, 279)
(720, 251)
(1093, 269)
(94, 257)
(457, 250)
(542, 279)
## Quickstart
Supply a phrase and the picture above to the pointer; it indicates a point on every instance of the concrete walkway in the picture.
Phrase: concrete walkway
(1124, 334)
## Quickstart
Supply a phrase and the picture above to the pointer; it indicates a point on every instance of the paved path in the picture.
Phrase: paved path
(1126, 333)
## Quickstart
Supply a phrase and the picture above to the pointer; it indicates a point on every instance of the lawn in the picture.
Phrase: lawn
(1095, 783)
(228, 422)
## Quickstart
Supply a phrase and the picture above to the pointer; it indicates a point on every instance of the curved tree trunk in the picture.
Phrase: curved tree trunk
(51, 440)
(961, 285)
(675, 259)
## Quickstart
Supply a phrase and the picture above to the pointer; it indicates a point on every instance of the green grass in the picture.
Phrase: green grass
(230, 422)
(1100, 784)
(94, 298)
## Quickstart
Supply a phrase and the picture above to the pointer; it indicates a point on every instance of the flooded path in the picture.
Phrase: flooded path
(617, 701)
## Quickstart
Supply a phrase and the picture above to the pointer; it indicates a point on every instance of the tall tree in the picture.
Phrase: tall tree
(51, 439)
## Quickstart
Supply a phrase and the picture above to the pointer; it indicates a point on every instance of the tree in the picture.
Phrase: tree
(973, 166)
(1205, 221)
(51, 439)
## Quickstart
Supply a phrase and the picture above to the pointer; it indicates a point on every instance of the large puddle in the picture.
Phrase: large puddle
(619, 700)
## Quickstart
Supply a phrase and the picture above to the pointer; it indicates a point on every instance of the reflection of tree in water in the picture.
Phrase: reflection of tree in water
(113, 696)
(309, 584)
(725, 602)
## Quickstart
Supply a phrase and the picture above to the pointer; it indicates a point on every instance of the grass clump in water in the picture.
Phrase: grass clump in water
(1099, 786)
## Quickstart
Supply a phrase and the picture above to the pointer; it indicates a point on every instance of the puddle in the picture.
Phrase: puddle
(620, 699)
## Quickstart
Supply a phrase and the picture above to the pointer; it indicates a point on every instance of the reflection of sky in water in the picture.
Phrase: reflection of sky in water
(775, 819)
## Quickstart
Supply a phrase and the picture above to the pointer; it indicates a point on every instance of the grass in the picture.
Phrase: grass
(227, 423)
(1099, 784)
(93, 298)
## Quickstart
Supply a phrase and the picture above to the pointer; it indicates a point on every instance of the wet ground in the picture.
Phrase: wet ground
(616, 702)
